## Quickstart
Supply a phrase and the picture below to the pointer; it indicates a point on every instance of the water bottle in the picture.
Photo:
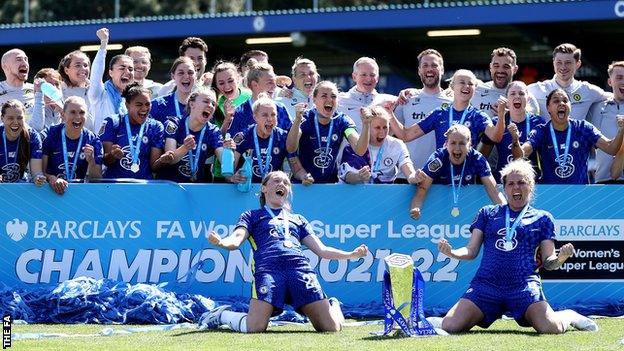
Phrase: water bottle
(227, 160)
(246, 171)
(51, 92)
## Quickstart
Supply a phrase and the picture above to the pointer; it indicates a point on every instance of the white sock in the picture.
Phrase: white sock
(435, 322)
(236, 320)
(578, 321)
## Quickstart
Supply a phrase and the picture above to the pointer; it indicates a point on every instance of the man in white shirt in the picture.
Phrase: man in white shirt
(604, 116)
(15, 66)
(363, 94)
(566, 61)
(503, 67)
(142, 59)
(422, 102)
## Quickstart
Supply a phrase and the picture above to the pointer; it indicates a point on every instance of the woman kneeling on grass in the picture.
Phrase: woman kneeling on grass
(513, 237)
(282, 274)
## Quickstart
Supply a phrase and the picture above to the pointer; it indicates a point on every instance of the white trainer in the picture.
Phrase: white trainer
(212, 318)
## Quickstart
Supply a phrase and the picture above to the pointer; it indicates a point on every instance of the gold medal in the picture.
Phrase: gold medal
(455, 211)
(288, 244)
(134, 168)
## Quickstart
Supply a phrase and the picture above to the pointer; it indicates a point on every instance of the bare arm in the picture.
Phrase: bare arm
(58, 185)
(232, 242)
(612, 146)
(112, 153)
(490, 187)
(396, 127)
(94, 170)
(485, 149)
(158, 158)
(419, 196)
(36, 170)
(518, 150)
(361, 176)
(331, 253)
(554, 261)
(294, 134)
(299, 172)
(408, 170)
(495, 132)
(413, 132)
(617, 167)
(179, 152)
(467, 252)
(359, 143)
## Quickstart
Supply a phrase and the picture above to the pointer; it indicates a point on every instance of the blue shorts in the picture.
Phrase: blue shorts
(494, 301)
(295, 287)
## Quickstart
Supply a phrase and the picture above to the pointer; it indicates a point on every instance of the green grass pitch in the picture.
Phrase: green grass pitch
(503, 335)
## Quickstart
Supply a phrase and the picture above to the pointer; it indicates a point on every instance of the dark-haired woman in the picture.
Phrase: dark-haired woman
(133, 142)
(173, 105)
(105, 97)
(564, 144)
(74, 69)
(282, 274)
(21, 146)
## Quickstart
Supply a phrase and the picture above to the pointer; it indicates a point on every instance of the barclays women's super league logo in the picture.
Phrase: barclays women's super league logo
(16, 229)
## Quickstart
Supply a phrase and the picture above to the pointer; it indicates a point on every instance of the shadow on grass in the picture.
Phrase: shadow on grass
(229, 331)
(527, 332)
(474, 332)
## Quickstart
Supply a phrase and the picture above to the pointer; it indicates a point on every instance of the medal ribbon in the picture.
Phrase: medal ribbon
(194, 159)
(265, 165)
(70, 173)
(457, 188)
(134, 149)
(556, 144)
(318, 136)
(285, 231)
(509, 231)
(6, 154)
(463, 117)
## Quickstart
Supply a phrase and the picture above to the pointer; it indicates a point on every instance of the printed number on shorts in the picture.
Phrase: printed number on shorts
(310, 281)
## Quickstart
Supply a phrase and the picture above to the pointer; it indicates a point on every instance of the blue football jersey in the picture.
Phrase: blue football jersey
(315, 156)
(9, 167)
(181, 171)
(276, 155)
(164, 108)
(438, 167)
(438, 122)
(511, 267)
(53, 148)
(267, 238)
(115, 132)
(570, 168)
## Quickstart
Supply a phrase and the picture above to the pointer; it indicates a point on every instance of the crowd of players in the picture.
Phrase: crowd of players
(131, 127)
(128, 126)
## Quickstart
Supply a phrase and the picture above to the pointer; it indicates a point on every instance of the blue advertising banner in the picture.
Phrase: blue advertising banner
(154, 233)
